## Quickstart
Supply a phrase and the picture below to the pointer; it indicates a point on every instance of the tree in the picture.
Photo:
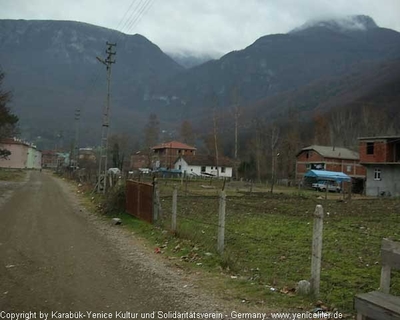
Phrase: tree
(236, 114)
(8, 121)
(321, 129)
(214, 104)
(274, 133)
(122, 146)
(257, 145)
(152, 131)
(115, 156)
(186, 133)
(151, 135)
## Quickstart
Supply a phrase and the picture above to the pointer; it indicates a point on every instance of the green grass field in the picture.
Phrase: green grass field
(268, 240)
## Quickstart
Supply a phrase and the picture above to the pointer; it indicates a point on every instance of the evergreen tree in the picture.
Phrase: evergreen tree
(8, 121)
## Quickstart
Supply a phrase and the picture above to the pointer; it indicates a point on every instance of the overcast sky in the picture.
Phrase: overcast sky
(201, 26)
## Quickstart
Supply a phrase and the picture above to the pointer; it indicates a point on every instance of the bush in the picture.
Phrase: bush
(114, 201)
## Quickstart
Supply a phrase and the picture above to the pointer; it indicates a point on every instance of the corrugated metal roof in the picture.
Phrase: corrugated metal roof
(174, 145)
(329, 175)
(333, 152)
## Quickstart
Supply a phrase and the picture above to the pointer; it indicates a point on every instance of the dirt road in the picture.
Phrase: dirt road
(54, 256)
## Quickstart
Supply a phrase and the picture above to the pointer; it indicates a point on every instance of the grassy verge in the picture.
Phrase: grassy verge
(12, 175)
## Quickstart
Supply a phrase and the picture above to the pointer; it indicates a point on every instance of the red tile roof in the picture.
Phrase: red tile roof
(174, 145)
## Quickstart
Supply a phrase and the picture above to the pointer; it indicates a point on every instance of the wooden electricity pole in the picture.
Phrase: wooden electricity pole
(102, 175)
(76, 144)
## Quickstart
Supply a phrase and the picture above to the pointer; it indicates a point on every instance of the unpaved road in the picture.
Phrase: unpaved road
(54, 256)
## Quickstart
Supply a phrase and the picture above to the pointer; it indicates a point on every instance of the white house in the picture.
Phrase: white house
(199, 165)
(24, 155)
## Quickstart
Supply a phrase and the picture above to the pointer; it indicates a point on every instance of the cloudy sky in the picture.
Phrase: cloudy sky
(201, 26)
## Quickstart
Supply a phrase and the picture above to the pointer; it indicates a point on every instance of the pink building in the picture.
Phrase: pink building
(23, 155)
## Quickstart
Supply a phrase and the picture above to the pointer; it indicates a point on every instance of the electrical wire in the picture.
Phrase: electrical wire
(134, 17)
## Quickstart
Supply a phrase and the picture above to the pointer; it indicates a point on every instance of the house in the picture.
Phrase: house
(139, 160)
(331, 158)
(203, 165)
(87, 155)
(24, 155)
(49, 159)
(381, 158)
(166, 153)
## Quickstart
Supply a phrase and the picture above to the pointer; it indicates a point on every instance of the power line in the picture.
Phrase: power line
(97, 73)
(143, 10)
(125, 14)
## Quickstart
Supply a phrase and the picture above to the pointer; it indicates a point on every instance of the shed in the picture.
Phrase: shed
(328, 175)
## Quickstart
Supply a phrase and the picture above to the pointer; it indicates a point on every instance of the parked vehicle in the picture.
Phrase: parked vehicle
(322, 185)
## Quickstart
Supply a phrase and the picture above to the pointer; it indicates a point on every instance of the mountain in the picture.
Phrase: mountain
(278, 63)
(345, 24)
(51, 68)
(190, 60)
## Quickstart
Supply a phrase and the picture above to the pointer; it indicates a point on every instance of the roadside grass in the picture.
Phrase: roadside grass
(16, 175)
(268, 242)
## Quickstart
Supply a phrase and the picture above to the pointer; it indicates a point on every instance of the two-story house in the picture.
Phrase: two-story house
(381, 157)
(165, 154)
(330, 158)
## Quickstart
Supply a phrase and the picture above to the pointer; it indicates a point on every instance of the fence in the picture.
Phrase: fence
(140, 200)
(270, 240)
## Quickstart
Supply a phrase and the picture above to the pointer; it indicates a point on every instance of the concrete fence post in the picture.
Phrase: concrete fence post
(317, 250)
(174, 209)
(221, 222)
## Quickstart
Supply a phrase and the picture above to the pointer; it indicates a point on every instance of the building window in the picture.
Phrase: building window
(203, 169)
(348, 168)
(212, 168)
(180, 167)
(318, 166)
(308, 166)
(377, 174)
(370, 148)
(223, 169)
(307, 154)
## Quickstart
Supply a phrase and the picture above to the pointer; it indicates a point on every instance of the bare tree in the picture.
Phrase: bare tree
(236, 114)
(274, 133)
(258, 145)
(214, 105)
(151, 135)
(186, 132)
(321, 130)
(122, 146)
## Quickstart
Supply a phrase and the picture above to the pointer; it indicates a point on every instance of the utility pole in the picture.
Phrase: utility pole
(76, 146)
(102, 175)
